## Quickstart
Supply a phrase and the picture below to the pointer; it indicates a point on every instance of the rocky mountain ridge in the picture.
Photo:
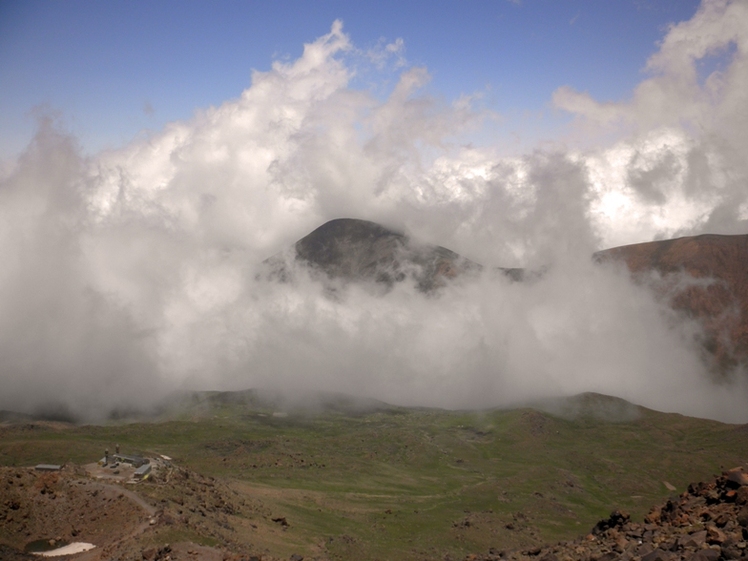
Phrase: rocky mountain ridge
(702, 277)
(352, 250)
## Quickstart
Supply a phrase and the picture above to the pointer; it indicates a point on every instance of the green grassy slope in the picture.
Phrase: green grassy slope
(411, 483)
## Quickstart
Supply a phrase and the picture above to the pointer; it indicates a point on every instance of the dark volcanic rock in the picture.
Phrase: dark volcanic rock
(358, 250)
(615, 520)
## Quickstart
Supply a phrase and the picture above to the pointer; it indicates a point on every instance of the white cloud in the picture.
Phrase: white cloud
(134, 271)
(382, 53)
(677, 168)
(674, 95)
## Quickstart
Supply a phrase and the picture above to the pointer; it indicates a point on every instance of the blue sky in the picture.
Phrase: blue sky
(111, 69)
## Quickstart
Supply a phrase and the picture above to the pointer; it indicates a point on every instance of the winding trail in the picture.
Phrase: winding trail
(116, 489)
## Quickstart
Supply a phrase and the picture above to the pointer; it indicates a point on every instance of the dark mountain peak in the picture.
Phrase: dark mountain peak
(349, 249)
(353, 228)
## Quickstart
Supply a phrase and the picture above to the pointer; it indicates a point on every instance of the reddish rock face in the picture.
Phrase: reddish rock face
(705, 277)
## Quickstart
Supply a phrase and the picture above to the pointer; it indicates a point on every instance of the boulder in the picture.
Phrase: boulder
(736, 477)
(693, 541)
(705, 555)
(658, 555)
(616, 519)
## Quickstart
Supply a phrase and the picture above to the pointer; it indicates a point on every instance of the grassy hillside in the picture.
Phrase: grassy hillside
(374, 481)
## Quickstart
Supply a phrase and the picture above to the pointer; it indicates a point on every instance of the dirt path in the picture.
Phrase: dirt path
(115, 489)
(134, 497)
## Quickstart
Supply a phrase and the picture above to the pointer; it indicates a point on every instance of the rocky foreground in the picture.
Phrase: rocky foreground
(709, 522)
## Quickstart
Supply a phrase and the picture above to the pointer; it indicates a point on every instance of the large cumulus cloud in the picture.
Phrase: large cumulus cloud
(132, 272)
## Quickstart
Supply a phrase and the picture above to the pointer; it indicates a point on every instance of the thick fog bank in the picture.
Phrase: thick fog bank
(132, 273)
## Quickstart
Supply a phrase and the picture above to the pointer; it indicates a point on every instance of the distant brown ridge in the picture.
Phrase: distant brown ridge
(720, 304)
(704, 277)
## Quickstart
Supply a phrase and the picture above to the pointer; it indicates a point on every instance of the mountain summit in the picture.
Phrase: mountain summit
(348, 249)
(703, 277)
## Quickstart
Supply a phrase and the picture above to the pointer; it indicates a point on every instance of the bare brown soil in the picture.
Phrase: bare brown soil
(65, 506)
(94, 505)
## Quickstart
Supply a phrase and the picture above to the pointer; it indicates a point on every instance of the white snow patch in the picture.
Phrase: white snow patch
(70, 549)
